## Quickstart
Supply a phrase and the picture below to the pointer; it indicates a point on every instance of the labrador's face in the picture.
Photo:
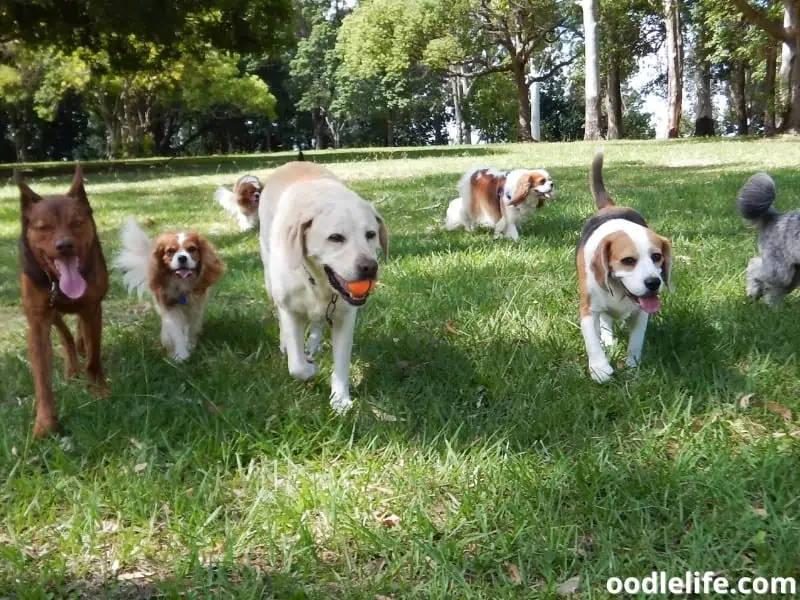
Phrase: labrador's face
(343, 240)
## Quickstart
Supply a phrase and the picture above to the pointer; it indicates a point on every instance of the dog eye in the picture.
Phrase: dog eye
(77, 222)
(370, 235)
(171, 252)
(628, 261)
(336, 238)
(192, 249)
(656, 257)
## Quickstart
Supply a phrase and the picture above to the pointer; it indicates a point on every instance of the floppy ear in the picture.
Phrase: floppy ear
(521, 190)
(155, 268)
(27, 197)
(76, 190)
(211, 267)
(383, 237)
(296, 241)
(600, 263)
(666, 268)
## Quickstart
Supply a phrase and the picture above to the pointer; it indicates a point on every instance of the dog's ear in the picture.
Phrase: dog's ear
(156, 268)
(601, 262)
(296, 241)
(666, 267)
(76, 190)
(522, 189)
(27, 197)
(383, 236)
(211, 266)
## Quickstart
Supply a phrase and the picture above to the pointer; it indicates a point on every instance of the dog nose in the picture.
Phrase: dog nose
(65, 245)
(182, 259)
(652, 283)
(367, 268)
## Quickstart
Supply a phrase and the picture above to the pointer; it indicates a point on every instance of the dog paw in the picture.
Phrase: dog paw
(180, 355)
(314, 342)
(633, 361)
(600, 372)
(44, 426)
(304, 371)
(340, 403)
(606, 338)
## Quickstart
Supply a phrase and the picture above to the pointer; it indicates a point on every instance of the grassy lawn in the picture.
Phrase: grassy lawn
(480, 461)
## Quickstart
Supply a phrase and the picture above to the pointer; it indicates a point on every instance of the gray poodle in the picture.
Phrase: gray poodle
(776, 272)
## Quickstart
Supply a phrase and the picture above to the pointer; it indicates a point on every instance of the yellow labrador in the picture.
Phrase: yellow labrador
(317, 238)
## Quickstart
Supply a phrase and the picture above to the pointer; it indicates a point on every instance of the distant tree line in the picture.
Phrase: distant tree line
(90, 78)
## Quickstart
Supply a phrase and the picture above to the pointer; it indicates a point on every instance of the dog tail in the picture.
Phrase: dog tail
(756, 198)
(226, 199)
(134, 257)
(601, 197)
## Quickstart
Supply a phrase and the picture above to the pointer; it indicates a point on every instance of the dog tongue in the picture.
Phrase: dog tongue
(650, 304)
(70, 281)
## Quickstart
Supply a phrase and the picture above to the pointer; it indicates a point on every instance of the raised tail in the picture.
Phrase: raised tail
(756, 198)
(226, 199)
(134, 257)
(601, 197)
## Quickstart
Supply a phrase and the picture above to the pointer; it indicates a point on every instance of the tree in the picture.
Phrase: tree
(106, 25)
(787, 33)
(704, 116)
(592, 86)
(672, 21)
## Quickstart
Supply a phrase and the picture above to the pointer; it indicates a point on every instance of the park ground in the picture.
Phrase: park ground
(480, 460)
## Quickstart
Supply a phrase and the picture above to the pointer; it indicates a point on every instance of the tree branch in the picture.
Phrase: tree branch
(559, 65)
(757, 17)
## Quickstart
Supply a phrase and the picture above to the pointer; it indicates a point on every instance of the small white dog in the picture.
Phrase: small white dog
(498, 199)
(319, 243)
(242, 202)
(178, 268)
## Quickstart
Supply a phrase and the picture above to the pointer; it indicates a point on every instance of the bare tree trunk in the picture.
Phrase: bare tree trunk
(317, 123)
(523, 101)
(739, 96)
(614, 106)
(459, 124)
(769, 89)
(536, 108)
(591, 129)
(672, 20)
(704, 111)
(389, 131)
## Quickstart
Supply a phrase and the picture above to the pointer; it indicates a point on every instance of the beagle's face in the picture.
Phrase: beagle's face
(640, 261)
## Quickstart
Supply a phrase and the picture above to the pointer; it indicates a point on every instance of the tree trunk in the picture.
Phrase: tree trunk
(591, 129)
(465, 86)
(739, 96)
(459, 119)
(614, 107)
(793, 119)
(317, 123)
(536, 105)
(769, 89)
(672, 21)
(704, 111)
(523, 102)
(389, 131)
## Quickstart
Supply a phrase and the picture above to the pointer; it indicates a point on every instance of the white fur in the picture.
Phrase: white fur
(312, 195)
(227, 200)
(605, 306)
(180, 324)
(458, 213)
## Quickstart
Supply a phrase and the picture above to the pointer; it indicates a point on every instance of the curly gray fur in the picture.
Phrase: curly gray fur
(776, 272)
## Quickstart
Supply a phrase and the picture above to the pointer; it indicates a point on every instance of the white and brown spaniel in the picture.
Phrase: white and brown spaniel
(243, 201)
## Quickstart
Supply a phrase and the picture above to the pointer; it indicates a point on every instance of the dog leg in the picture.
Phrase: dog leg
(599, 368)
(196, 313)
(342, 342)
(292, 332)
(175, 334)
(80, 343)
(93, 326)
(606, 330)
(40, 354)
(512, 233)
(755, 285)
(636, 341)
(68, 345)
(314, 340)
(244, 222)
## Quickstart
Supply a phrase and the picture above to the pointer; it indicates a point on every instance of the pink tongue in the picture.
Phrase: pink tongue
(70, 281)
(650, 304)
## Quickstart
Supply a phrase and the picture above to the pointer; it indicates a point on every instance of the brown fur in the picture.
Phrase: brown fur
(46, 221)
(209, 266)
(524, 186)
(485, 198)
(247, 197)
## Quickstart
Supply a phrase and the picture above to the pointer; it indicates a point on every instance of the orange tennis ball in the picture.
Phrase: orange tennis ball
(359, 289)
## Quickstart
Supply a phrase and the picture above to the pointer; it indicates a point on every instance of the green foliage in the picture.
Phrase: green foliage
(492, 108)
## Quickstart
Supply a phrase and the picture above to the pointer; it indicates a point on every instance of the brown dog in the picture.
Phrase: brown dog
(63, 271)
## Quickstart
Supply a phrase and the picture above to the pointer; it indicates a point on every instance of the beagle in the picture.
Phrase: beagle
(622, 266)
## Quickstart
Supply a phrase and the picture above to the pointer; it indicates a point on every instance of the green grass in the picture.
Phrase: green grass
(224, 477)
